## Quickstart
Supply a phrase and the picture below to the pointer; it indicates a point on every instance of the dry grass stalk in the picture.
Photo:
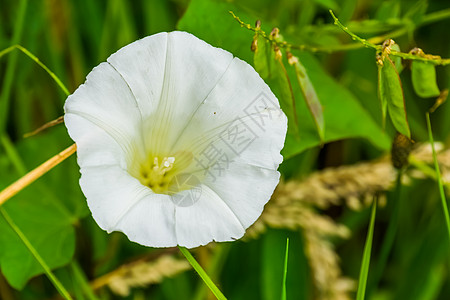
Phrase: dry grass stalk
(141, 273)
(35, 174)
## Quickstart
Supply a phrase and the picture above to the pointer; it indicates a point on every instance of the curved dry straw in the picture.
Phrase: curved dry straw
(33, 175)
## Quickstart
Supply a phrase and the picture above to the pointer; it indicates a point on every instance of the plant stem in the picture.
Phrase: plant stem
(34, 58)
(81, 280)
(5, 90)
(283, 287)
(215, 266)
(439, 177)
(364, 272)
(31, 176)
(435, 17)
(389, 237)
(214, 289)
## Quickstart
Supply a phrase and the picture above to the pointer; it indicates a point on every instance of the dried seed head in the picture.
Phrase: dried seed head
(275, 33)
(401, 147)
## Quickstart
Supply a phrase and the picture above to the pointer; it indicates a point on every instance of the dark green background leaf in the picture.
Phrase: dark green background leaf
(45, 212)
(423, 76)
(391, 92)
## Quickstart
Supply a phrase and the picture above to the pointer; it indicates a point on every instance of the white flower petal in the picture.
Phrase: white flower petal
(111, 193)
(240, 105)
(149, 114)
(151, 222)
(171, 78)
(94, 146)
(141, 64)
(245, 189)
(106, 100)
(208, 218)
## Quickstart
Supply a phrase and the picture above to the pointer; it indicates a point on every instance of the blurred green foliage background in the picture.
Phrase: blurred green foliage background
(73, 36)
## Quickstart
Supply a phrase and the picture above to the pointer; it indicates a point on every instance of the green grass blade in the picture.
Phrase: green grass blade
(215, 267)
(34, 58)
(389, 236)
(283, 287)
(58, 285)
(364, 272)
(81, 280)
(5, 90)
(439, 177)
(214, 289)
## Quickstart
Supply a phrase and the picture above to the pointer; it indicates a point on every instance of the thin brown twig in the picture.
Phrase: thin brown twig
(57, 121)
(33, 175)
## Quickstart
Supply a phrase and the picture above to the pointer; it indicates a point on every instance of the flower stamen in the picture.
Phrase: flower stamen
(157, 176)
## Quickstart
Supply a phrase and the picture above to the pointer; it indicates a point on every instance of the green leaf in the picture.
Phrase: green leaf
(56, 283)
(423, 76)
(383, 100)
(45, 211)
(48, 230)
(223, 31)
(280, 75)
(391, 93)
(310, 96)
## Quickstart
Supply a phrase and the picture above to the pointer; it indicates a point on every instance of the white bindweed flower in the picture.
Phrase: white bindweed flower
(178, 142)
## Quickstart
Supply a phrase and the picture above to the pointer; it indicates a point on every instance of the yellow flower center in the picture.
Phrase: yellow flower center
(166, 174)
(158, 175)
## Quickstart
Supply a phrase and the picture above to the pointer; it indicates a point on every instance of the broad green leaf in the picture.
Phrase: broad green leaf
(343, 114)
(423, 76)
(310, 96)
(280, 75)
(48, 229)
(391, 93)
(223, 31)
(45, 211)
